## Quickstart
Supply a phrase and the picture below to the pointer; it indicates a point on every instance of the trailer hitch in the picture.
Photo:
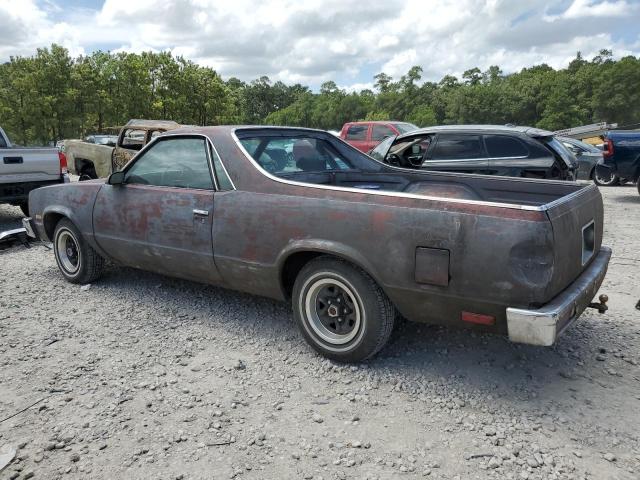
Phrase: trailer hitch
(601, 306)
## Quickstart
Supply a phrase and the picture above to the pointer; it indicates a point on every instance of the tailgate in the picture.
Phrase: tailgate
(576, 221)
(18, 165)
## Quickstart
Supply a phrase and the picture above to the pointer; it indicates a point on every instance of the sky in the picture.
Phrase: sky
(312, 41)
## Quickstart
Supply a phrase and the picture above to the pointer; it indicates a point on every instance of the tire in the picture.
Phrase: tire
(24, 206)
(612, 181)
(77, 260)
(638, 185)
(327, 285)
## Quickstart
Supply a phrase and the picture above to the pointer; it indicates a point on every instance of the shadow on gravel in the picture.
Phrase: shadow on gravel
(10, 217)
(628, 199)
(418, 352)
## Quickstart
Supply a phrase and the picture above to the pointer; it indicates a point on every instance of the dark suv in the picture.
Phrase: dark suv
(621, 160)
(484, 149)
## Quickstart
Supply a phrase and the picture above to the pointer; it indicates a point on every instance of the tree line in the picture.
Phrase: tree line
(51, 96)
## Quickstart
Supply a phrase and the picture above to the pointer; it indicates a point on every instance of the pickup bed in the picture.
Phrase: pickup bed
(25, 169)
(299, 215)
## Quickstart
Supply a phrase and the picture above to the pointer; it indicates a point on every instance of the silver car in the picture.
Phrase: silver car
(587, 155)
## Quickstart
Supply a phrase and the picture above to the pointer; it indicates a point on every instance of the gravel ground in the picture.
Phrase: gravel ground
(143, 376)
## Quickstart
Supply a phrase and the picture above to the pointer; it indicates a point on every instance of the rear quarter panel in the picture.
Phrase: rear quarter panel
(254, 233)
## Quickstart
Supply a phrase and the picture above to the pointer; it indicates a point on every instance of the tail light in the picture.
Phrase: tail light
(608, 151)
(63, 163)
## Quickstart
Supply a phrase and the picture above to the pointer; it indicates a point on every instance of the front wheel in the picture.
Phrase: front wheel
(341, 311)
(77, 260)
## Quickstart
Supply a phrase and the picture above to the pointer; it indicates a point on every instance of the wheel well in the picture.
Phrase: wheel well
(50, 222)
(291, 268)
(85, 166)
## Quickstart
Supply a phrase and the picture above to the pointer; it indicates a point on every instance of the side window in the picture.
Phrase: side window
(357, 132)
(133, 139)
(457, 147)
(499, 146)
(380, 132)
(3, 143)
(288, 155)
(224, 182)
(174, 162)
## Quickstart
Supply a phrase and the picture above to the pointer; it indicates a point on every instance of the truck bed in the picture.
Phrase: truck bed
(523, 192)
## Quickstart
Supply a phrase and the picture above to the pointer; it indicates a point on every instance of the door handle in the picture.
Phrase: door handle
(200, 213)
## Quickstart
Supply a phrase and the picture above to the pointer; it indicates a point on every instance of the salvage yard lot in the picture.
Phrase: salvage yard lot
(143, 376)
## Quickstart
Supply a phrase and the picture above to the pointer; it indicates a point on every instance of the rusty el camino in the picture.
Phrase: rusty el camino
(297, 214)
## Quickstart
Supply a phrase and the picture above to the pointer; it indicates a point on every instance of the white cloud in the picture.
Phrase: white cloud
(317, 40)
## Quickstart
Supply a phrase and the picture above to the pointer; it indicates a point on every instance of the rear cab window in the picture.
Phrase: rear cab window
(357, 132)
(379, 132)
(133, 139)
(286, 156)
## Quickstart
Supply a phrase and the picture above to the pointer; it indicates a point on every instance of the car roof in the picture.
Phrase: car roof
(166, 124)
(375, 121)
(531, 131)
(187, 129)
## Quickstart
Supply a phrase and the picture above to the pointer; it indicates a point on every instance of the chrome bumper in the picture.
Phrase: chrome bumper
(29, 227)
(544, 325)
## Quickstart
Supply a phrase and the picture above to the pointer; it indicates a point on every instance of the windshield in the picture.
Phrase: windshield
(560, 149)
(405, 127)
(380, 152)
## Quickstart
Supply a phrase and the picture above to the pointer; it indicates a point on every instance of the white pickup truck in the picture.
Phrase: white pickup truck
(25, 169)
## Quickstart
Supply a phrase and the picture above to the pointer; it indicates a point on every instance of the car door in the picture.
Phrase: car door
(160, 217)
(457, 152)
(510, 156)
(358, 135)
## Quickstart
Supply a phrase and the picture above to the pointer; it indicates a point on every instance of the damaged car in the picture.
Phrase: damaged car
(300, 216)
(484, 149)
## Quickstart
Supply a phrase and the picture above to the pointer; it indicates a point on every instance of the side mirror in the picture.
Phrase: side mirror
(116, 178)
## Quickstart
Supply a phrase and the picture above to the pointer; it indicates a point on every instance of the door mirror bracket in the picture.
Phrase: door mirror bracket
(116, 178)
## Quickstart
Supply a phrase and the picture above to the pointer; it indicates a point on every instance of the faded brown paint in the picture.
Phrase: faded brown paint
(496, 253)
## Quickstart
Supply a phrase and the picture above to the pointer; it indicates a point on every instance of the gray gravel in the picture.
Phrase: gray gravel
(143, 376)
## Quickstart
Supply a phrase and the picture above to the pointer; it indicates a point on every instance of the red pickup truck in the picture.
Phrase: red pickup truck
(365, 136)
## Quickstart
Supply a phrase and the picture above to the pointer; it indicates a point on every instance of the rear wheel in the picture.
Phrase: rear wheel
(606, 181)
(341, 311)
(77, 260)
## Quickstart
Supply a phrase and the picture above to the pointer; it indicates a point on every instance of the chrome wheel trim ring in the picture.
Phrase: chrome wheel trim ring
(312, 323)
(64, 241)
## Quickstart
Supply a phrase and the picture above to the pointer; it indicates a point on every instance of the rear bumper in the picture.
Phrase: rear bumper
(544, 325)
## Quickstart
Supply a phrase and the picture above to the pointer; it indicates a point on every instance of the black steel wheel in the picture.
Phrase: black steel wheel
(77, 260)
(341, 311)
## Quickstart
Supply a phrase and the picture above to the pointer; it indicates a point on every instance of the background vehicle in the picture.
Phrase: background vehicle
(621, 160)
(516, 256)
(367, 135)
(587, 155)
(484, 149)
(110, 140)
(25, 169)
(97, 159)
